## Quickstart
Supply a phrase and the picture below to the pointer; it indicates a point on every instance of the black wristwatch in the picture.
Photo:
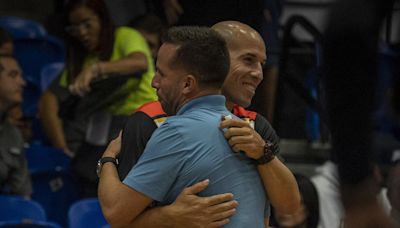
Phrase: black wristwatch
(268, 154)
(105, 160)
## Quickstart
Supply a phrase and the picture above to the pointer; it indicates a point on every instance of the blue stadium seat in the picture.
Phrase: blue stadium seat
(86, 213)
(49, 73)
(28, 224)
(43, 158)
(18, 208)
(53, 185)
(22, 28)
(33, 54)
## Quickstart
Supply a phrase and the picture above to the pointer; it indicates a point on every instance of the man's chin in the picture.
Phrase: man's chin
(243, 102)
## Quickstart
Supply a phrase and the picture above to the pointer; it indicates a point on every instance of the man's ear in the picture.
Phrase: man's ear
(190, 84)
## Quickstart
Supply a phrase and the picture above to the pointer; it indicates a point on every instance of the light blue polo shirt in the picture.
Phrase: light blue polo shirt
(189, 148)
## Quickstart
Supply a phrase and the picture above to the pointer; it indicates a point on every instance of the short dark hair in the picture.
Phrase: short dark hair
(202, 52)
(5, 37)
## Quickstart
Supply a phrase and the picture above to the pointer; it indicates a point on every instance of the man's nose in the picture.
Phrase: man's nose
(258, 72)
(155, 83)
(82, 31)
(22, 82)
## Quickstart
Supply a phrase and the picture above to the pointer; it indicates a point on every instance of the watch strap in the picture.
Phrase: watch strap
(104, 160)
(268, 154)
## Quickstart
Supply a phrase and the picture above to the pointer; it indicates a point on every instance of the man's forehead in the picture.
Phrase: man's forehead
(253, 50)
(9, 63)
(7, 60)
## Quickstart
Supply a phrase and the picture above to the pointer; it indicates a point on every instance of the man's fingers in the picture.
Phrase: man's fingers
(217, 224)
(196, 188)
(223, 208)
(240, 140)
(236, 131)
(223, 215)
(217, 199)
(227, 123)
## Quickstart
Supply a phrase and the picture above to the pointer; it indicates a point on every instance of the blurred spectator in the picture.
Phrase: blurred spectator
(326, 182)
(350, 72)
(15, 114)
(109, 71)
(308, 215)
(14, 175)
(151, 28)
(270, 29)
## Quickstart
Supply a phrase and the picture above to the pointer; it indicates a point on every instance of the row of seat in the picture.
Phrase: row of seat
(28, 213)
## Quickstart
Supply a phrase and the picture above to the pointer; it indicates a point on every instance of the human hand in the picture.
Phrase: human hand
(172, 10)
(81, 85)
(114, 147)
(242, 137)
(190, 210)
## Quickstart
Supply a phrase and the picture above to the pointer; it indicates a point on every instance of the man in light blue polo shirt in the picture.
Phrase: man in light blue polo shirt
(189, 147)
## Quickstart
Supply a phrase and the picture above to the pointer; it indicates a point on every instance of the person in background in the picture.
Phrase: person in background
(350, 51)
(15, 114)
(14, 174)
(151, 28)
(96, 51)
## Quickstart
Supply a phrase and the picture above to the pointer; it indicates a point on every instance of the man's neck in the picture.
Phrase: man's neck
(202, 93)
(229, 105)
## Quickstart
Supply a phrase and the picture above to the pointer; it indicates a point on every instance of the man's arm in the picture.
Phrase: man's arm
(188, 210)
(120, 204)
(52, 124)
(278, 180)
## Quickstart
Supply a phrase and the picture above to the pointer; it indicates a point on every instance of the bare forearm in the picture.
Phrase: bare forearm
(281, 186)
(48, 112)
(154, 217)
(135, 62)
(112, 203)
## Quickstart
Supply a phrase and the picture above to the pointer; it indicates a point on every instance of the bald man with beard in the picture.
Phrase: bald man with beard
(254, 136)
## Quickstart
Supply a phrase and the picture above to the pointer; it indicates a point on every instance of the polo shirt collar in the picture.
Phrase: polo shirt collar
(216, 101)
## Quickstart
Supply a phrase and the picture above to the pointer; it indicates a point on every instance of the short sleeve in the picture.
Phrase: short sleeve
(160, 164)
(129, 40)
(135, 136)
(264, 128)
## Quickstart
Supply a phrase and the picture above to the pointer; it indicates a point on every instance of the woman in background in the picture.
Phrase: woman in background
(95, 50)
